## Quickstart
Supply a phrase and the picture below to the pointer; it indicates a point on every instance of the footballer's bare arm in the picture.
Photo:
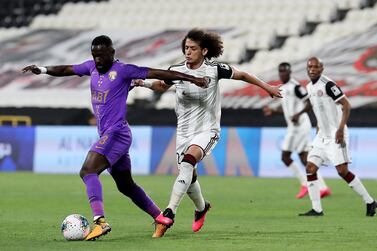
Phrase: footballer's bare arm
(157, 86)
(57, 71)
(273, 91)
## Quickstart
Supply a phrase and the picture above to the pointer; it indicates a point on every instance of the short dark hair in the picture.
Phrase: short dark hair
(209, 40)
(285, 65)
(102, 40)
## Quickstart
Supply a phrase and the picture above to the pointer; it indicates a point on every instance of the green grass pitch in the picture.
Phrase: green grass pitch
(247, 214)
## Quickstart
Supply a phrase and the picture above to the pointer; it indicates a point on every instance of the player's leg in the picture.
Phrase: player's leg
(315, 159)
(121, 173)
(185, 176)
(103, 154)
(355, 183)
(313, 189)
(201, 206)
(323, 188)
(340, 157)
(206, 142)
(94, 164)
(296, 171)
(180, 187)
(195, 192)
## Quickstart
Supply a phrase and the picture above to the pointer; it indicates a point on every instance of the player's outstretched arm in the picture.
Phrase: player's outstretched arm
(174, 75)
(157, 86)
(57, 71)
(274, 91)
(307, 108)
(339, 135)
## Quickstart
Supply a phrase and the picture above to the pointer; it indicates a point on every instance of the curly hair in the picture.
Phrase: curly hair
(209, 40)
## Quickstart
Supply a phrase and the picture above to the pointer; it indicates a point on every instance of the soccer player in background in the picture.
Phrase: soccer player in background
(198, 113)
(298, 136)
(331, 108)
(110, 84)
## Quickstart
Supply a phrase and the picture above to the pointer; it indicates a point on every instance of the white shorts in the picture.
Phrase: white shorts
(205, 140)
(326, 151)
(296, 141)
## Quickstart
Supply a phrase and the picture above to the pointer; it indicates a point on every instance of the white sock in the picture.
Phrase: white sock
(195, 194)
(295, 169)
(321, 182)
(181, 185)
(359, 188)
(314, 195)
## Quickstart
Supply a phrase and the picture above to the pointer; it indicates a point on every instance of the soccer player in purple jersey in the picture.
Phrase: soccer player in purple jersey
(110, 84)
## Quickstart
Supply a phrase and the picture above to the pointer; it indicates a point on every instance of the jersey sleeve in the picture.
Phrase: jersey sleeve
(224, 71)
(82, 69)
(334, 91)
(301, 92)
(134, 72)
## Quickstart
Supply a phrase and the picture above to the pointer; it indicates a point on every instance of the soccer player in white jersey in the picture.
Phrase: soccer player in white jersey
(198, 113)
(298, 136)
(331, 108)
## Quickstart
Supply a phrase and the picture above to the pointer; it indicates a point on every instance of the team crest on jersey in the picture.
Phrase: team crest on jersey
(320, 93)
(113, 75)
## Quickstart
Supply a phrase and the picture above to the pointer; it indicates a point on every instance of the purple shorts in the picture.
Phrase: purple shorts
(115, 146)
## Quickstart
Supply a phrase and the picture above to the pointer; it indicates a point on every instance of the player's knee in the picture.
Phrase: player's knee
(188, 158)
(83, 172)
(342, 173)
(311, 168)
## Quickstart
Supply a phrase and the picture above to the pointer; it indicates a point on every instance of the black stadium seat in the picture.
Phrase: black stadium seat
(21, 12)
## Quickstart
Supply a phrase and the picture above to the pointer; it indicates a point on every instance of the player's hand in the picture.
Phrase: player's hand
(295, 118)
(274, 91)
(202, 82)
(137, 82)
(32, 68)
(339, 137)
(267, 111)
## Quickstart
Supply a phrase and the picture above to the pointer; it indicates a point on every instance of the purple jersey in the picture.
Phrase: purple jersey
(109, 91)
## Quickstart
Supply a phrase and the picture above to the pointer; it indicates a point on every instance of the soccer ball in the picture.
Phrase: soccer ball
(75, 227)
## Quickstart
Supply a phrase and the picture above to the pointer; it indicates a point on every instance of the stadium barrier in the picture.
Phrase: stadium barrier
(241, 151)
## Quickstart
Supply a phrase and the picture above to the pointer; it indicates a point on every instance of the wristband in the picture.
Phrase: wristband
(43, 69)
(147, 84)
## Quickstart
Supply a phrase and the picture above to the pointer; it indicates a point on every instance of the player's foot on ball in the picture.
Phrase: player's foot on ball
(325, 192)
(371, 208)
(163, 222)
(101, 227)
(303, 191)
(312, 212)
(199, 218)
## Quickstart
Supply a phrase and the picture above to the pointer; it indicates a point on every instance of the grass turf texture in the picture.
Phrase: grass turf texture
(247, 214)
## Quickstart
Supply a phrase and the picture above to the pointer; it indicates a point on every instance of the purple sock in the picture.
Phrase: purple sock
(142, 200)
(94, 192)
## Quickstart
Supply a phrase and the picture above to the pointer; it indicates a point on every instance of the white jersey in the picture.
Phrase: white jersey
(324, 95)
(293, 101)
(197, 109)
